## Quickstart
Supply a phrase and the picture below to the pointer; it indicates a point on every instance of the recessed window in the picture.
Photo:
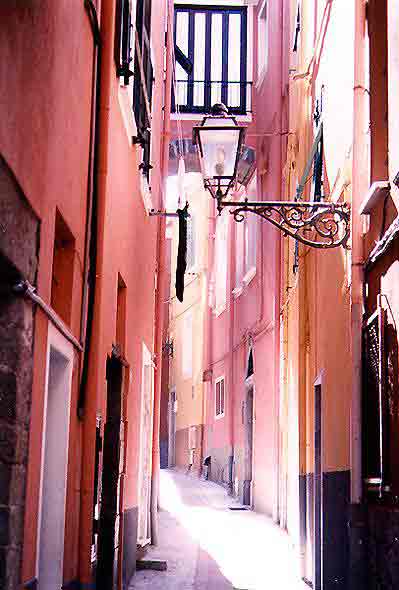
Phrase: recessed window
(246, 249)
(378, 43)
(187, 346)
(63, 269)
(221, 263)
(219, 397)
(297, 27)
(121, 315)
(263, 38)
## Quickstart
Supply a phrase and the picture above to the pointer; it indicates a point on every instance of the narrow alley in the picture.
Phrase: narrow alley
(209, 546)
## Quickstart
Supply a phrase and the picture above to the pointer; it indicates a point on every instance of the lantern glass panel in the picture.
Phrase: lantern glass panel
(219, 147)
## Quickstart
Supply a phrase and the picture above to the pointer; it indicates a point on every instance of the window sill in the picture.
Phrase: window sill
(199, 117)
(249, 276)
(261, 78)
(377, 191)
(217, 311)
(237, 291)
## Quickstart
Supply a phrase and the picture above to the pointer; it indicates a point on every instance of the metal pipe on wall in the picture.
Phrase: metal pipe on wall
(360, 180)
(161, 301)
(360, 187)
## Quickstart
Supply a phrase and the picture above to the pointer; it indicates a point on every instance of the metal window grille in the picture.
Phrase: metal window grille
(374, 404)
(219, 397)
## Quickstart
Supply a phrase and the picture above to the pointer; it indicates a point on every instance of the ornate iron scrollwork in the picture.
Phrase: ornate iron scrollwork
(316, 224)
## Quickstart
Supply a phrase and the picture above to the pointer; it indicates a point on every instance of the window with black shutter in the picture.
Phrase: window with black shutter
(297, 28)
(123, 40)
(380, 405)
(318, 159)
(143, 81)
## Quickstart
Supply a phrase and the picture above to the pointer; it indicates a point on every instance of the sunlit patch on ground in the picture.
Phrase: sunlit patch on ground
(209, 547)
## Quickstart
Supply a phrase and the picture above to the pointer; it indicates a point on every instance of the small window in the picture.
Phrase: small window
(263, 38)
(219, 398)
(317, 193)
(63, 269)
(120, 337)
(221, 263)
(187, 346)
(240, 252)
(251, 232)
(246, 248)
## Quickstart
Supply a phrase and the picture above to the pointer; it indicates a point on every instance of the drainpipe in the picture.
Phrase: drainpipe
(208, 325)
(88, 404)
(283, 124)
(162, 286)
(360, 181)
(231, 391)
(86, 322)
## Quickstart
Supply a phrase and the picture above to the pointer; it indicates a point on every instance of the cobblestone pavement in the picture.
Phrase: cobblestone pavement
(209, 547)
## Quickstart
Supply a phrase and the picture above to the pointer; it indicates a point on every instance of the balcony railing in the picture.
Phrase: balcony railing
(198, 96)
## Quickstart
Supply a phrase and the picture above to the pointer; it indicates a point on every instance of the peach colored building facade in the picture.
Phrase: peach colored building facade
(186, 331)
(300, 356)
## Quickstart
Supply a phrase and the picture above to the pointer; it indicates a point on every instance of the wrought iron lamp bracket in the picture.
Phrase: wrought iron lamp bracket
(315, 224)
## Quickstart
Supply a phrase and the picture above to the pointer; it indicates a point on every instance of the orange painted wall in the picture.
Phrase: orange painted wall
(45, 85)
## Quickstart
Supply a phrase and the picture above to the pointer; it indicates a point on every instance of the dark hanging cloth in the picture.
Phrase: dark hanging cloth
(181, 252)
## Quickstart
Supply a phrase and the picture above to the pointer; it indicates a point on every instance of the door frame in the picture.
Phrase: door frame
(318, 483)
(172, 435)
(56, 341)
(249, 387)
(145, 444)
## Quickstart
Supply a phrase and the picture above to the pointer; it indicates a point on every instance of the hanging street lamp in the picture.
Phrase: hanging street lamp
(220, 141)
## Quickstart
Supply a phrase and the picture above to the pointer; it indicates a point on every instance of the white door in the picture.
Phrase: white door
(145, 464)
(54, 463)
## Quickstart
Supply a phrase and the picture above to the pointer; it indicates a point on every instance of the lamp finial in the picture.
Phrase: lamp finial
(219, 109)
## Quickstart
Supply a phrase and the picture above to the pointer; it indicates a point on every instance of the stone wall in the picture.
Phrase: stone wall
(18, 260)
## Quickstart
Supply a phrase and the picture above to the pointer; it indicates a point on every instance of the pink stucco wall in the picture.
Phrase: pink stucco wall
(46, 91)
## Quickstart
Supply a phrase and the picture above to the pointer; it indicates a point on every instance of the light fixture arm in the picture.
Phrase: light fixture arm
(315, 224)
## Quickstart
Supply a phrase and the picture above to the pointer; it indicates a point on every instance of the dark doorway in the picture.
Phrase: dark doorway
(248, 444)
(172, 429)
(317, 538)
(109, 523)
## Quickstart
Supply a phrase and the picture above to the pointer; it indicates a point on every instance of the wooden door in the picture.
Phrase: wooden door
(108, 538)
(248, 445)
